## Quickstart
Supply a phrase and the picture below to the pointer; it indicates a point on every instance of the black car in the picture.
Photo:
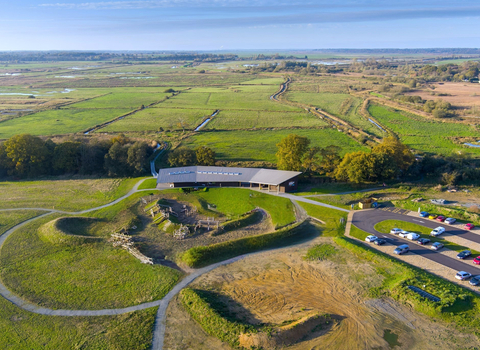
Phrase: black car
(423, 241)
(464, 254)
(475, 281)
(380, 241)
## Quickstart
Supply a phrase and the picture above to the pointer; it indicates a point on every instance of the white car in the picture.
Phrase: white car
(437, 201)
(395, 231)
(462, 275)
(437, 231)
(413, 236)
(403, 234)
(371, 238)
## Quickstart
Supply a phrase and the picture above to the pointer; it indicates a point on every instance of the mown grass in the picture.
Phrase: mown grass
(71, 195)
(387, 225)
(331, 187)
(148, 184)
(21, 329)
(331, 217)
(237, 201)
(260, 145)
(422, 134)
(206, 255)
(458, 305)
(85, 276)
(243, 221)
(8, 219)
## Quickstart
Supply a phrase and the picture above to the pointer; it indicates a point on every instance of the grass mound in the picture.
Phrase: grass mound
(55, 231)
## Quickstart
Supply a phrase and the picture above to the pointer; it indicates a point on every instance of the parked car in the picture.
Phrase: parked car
(432, 216)
(437, 201)
(403, 234)
(450, 220)
(469, 226)
(412, 236)
(464, 254)
(423, 241)
(423, 214)
(437, 246)
(437, 231)
(395, 231)
(476, 260)
(462, 275)
(371, 238)
(401, 249)
(440, 218)
(380, 241)
(475, 281)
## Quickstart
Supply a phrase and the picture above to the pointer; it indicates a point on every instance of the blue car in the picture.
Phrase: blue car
(423, 214)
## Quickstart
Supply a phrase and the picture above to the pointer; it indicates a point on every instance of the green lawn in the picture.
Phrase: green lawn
(21, 330)
(87, 276)
(71, 195)
(331, 217)
(8, 219)
(260, 145)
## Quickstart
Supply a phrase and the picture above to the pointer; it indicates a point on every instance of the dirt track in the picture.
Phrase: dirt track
(277, 287)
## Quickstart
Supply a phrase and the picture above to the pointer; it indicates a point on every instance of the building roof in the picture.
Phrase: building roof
(202, 174)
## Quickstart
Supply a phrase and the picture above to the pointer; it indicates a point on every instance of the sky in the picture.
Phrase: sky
(237, 24)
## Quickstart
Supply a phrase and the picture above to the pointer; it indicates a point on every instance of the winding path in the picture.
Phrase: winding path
(159, 326)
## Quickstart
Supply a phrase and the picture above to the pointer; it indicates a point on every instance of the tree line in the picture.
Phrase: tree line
(386, 161)
(24, 156)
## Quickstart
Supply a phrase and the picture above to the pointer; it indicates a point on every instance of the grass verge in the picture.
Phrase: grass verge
(331, 217)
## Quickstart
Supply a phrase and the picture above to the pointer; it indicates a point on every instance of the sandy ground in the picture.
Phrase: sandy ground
(279, 286)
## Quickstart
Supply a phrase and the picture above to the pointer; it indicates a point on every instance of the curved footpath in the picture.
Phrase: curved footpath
(159, 327)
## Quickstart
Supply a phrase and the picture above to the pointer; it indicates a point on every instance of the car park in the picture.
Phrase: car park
(380, 241)
(437, 231)
(401, 249)
(423, 214)
(432, 216)
(412, 236)
(440, 218)
(476, 260)
(475, 281)
(450, 220)
(423, 241)
(462, 275)
(371, 238)
(437, 246)
(469, 226)
(395, 231)
(464, 254)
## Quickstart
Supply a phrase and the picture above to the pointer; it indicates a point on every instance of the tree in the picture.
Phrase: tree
(66, 157)
(355, 167)
(401, 154)
(330, 159)
(205, 155)
(116, 160)
(182, 156)
(291, 151)
(310, 161)
(137, 157)
(28, 155)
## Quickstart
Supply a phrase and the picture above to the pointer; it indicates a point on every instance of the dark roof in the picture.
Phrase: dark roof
(202, 174)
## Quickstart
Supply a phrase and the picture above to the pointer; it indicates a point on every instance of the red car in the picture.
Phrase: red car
(440, 218)
(476, 261)
(468, 226)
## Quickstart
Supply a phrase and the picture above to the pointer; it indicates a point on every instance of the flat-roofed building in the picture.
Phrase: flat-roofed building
(212, 176)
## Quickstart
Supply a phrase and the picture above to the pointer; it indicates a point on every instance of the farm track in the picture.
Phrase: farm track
(159, 325)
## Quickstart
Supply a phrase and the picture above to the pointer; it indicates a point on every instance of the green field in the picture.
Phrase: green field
(129, 100)
(422, 134)
(8, 219)
(261, 145)
(70, 195)
(85, 276)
